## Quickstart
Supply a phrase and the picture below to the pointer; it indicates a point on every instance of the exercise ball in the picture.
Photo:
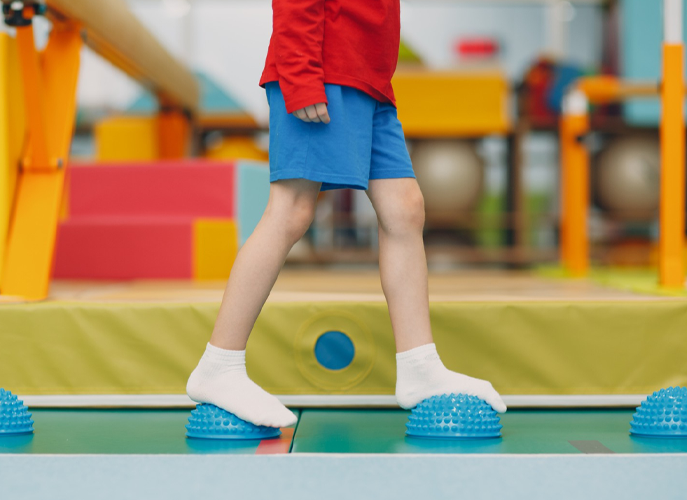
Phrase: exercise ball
(627, 177)
(450, 174)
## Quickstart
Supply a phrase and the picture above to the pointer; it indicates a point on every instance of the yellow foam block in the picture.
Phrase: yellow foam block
(236, 148)
(452, 103)
(12, 132)
(127, 138)
(215, 244)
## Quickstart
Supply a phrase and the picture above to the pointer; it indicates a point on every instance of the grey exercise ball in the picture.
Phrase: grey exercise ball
(450, 174)
(627, 177)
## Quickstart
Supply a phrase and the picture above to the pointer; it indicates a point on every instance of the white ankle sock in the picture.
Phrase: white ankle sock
(421, 374)
(221, 379)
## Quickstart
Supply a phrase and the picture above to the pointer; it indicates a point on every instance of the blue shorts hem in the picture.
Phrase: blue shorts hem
(328, 183)
(392, 174)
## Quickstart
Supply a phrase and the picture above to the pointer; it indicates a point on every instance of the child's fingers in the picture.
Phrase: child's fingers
(315, 113)
(312, 113)
(322, 112)
(300, 114)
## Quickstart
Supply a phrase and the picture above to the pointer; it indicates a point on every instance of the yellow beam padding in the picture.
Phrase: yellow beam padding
(215, 245)
(12, 133)
(451, 103)
(567, 347)
(127, 138)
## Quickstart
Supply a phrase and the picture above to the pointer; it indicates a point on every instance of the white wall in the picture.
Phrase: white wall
(228, 40)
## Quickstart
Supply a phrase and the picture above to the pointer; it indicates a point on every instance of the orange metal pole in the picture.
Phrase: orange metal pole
(49, 78)
(603, 89)
(565, 145)
(672, 205)
(174, 131)
(34, 97)
(574, 186)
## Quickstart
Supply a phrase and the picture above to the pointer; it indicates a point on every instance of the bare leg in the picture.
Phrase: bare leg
(288, 215)
(402, 262)
(403, 268)
(220, 377)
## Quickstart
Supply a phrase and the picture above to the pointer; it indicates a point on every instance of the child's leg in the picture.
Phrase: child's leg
(403, 267)
(220, 377)
(288, 215)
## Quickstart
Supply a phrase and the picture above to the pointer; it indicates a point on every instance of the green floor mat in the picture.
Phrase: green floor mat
(111, 431)
(524, 431)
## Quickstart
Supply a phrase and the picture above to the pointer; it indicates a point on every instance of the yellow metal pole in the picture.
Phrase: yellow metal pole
(574, 184)
(12, 134)
(6, 186)
(672, 204)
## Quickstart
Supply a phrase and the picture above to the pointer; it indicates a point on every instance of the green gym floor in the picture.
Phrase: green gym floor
(111, 454)
(119, 431)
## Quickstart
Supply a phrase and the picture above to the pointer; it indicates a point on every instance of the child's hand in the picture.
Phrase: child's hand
(316, 113)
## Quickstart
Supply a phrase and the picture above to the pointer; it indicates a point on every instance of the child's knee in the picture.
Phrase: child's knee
(299, 220)
(407, 215)
(293, 216)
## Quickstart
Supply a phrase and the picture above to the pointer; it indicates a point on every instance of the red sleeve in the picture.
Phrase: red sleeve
(298, 28)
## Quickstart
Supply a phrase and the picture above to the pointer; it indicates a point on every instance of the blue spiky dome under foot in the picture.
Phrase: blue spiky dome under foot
(211, 422)
(663, 414)
(14, 415)
(454, 416)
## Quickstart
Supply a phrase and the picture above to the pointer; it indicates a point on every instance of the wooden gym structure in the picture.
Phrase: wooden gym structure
(49, 80)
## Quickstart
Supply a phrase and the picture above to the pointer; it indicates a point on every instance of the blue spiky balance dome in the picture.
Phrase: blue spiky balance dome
(663, 414)
(14, 415)
(454, 416)
(211, 422)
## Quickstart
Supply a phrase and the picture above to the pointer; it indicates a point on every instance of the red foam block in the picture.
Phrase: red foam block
(119, 248)
(197, 188)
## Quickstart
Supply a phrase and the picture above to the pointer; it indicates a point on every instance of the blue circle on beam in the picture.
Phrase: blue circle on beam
(334, 350)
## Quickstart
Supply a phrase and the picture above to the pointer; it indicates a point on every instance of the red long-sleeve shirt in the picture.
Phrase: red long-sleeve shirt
(345, 42)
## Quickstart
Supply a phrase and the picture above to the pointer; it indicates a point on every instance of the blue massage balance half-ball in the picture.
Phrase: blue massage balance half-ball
(454, 416)
(663, 414)
(211, 422)
(14, 415)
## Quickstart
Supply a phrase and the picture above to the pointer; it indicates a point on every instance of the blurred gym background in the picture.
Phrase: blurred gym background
(480, 86)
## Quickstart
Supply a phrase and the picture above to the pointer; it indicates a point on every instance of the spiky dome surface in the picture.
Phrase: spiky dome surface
(662, 414)
(211, 422)
(14, 415)
(456, 416)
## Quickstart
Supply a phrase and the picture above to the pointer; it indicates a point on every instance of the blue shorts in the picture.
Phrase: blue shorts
(363, 141)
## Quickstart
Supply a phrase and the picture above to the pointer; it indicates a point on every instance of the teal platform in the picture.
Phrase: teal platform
(108, 454)
(371, 431)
